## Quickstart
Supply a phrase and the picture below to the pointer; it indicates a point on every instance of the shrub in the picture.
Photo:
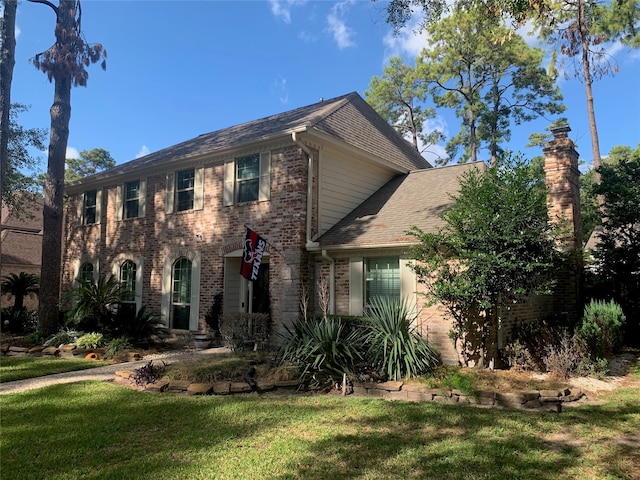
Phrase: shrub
(139, 329)
(241, 330)
(564, 357)
(19, 320)
(116, 345)
(392, 345)
(63, 337)
(94, 304)
(90, 340)
(601, 328)
(322, 348)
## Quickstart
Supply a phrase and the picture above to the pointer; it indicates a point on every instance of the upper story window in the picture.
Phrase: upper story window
(247, 178)
(89, 205)
(382, 278)
(130, 199)
(185, 190)
(185, 183)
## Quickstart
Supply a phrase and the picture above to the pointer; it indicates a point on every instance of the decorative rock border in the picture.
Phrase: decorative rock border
(551, 400)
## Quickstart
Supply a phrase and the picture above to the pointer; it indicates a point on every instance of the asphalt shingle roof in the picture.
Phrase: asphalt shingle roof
(347, 117)
(417, 198)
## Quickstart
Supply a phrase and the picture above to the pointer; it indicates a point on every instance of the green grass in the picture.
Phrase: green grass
(20, 368)
(100, 431)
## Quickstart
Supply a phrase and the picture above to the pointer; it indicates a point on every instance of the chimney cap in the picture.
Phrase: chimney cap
(560, 130)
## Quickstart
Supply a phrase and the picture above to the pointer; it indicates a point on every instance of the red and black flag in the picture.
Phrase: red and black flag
(254, 246)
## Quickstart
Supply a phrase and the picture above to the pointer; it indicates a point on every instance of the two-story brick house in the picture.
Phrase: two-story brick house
(331, 186)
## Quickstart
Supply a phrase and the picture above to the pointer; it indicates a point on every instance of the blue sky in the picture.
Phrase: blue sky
(177, 69)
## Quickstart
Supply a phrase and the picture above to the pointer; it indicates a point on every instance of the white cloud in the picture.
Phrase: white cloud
(72, 152)
(342, 34)
(282, 8)
(408, 42)
(18, 32)
(144, 150)
(279, 87)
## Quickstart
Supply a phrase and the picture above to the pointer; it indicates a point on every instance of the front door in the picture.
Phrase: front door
(241, 295)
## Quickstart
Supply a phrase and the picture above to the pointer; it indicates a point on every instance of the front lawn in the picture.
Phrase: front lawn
(101, 431)
(20, 368)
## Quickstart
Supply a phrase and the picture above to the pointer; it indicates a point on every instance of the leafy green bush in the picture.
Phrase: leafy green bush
(601, 328)
(19, 320)
(139, 329)
(94, 304)
(116, 345)
(63, 337)
(90, 340)
(321, 348)
(393, 346)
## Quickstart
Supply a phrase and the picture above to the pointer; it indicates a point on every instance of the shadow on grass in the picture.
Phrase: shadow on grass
(100, 431)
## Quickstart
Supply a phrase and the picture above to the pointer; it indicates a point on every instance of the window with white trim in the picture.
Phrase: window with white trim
(86, 273)
(185, 190)
(90, 207)
(181, 294)
(128, 287)
(382, 278)
(132, 199)
(247, 178)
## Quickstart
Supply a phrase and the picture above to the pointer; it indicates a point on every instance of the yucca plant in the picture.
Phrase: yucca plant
(321, 347)
(393, 347)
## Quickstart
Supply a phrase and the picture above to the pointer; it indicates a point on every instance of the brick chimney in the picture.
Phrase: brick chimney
(563, 201)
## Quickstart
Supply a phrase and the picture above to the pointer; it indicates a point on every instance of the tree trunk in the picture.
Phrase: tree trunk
(7, 61)
(588, 82)
(54, 186)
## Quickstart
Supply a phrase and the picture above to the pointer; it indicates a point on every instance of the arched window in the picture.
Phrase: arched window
(86, 273)
(181, 294)
(128, 283)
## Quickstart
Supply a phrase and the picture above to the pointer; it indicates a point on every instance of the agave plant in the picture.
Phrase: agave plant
(394, 348)
(321, 347)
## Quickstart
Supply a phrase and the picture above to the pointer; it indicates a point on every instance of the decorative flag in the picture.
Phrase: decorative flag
(254, 246)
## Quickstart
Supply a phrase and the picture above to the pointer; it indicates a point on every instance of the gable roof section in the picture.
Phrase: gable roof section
(348, 118)
(417, 198)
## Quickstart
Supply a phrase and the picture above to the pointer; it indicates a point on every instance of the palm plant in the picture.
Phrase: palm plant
(94, 303)
(394, 348)
(20, 285)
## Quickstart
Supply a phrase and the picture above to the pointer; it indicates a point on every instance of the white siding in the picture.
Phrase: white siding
(345, 185)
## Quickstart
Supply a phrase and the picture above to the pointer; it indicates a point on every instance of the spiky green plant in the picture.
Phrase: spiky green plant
(394, 348)
(94, 303)
(321, 347)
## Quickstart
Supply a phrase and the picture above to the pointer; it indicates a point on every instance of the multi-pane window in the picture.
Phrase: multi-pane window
(90, 207)
(128, 286)
(185, 193)
(382, 278)
(86, 273)
(248, 178)
(132, 199)
(181, 294)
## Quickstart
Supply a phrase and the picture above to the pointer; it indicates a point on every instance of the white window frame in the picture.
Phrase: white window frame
(167, 287)
(82, 207)
(172, 191)
(231, 181)
(121, 199)
(139, 262)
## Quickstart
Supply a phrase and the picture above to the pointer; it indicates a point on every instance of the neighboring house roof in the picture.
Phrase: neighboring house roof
(22, 236)
(348, 118)
(418, 198)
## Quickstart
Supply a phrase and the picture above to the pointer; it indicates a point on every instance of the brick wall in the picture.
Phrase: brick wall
(210, 232)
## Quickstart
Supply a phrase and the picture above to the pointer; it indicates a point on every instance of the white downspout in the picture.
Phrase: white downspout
(332, 283)
(306, 150)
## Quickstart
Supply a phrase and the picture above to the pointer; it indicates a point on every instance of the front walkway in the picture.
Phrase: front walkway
(105, 373)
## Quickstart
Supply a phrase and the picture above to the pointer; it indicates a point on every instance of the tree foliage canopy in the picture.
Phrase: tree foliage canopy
(496, 247)
(90, 162)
